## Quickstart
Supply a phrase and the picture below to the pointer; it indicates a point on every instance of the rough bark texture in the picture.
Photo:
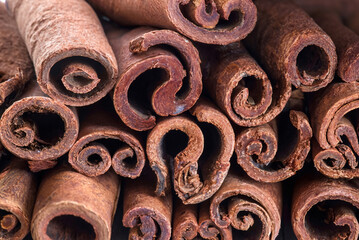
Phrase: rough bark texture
(211, 22)
(73, 61)
(38, 129)
(206, 145)
(324, 208)
(160, 62)
(70, 205)
(291, 47)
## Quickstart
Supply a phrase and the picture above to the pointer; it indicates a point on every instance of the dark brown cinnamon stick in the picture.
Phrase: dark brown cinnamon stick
(38, 129)
(73, 61)
(172, 75)
(291, 46)
(70, 205)
(197, 152)
(211, 22)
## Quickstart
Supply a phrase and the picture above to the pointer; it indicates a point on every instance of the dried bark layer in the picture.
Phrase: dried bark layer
(148, 215)
(197, 152)
(291, 46)
(160, 62)
(15, 64)
(38, 129)
(74, 66)
(324, 208)
(70, 205)
(104, 142)
(335, 121)
(212, 22)
(18, 188)
(249, 206)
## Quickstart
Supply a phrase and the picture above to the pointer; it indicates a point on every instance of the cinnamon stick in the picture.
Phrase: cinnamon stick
(73, 61)
(291, 47)
(70, 205)
(185, 146)
(172, 74)
(211, 22)
(252, 207)
(38, 129)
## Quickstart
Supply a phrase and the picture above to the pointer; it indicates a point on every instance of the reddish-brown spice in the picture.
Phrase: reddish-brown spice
(249, 206)
(38, 129)
(148, 64)
(186, 146)
(211, 22)
(70, 205)
(325, 208)
(291, 47)
(73, 61)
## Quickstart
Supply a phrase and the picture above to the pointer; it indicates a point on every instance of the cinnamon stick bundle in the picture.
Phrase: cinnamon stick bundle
(252, 207)
(15, 64)
(18, 188)
(104, 142)
(38, 129)
(211, 22)
(197, 151)
(325, 208)
(291, 47)
(160, 62)
(70, 205)
(73, 61)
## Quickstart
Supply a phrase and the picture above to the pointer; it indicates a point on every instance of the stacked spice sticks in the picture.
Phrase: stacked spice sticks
(213, 119)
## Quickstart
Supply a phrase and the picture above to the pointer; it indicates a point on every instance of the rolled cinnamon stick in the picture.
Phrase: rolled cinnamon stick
(70, 205)
(184, 146)
(158, 61)
(291, 46)
(18, 188)
(325, 208)
(38, 129)
(252, 207)
(104, 142)
(15, 64)
(211, 22)
(148, 215)
(73, 61)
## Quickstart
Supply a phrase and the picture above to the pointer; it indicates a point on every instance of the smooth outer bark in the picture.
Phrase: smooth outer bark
(291, 46)
(73, 61)
(70, 205)
(334, 123)
(175, 89)
(353, 22)
(247, 202)
(211, 22)
(324, 208)
(103, 142)
(188, 184)
(38, 129)
(15, 64)
(148, 215)
(346, 42)
(18, 188)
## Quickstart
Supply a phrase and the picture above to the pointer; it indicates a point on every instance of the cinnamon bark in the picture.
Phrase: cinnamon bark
(70, 205)
(324, 208)
(18, 188)
(104, 142)
(15, 64)
(211, 22)
(73, 66)
(249, 206)
(160, 62)
(291, 47)
(183, 146)
(38, 129)
(148, 215)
